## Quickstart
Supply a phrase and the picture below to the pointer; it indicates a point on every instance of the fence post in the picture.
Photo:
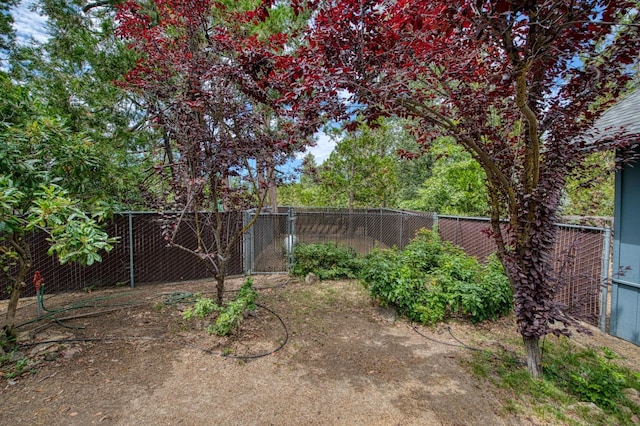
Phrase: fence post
(380, 217)
(604, 280)
(132, 283)
(291, 236)
(247, 244)
(400, 246)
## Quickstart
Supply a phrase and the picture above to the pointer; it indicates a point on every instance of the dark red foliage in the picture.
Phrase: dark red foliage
(216, 90)
(518, 84)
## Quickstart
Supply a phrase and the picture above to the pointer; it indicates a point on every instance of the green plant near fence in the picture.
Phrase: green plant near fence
(327, 260)
(430, 281)
(589, 376)
(228, 317)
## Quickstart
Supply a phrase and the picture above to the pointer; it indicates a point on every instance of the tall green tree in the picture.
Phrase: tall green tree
(381, 166)
(457, 185)
(72, 73)
(414, 167)
(42, 186)
(362, 168)
(591, 192)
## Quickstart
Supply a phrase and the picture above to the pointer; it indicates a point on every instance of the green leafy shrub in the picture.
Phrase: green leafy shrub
(589, 376)
(201, 308)
(430, 280)
(232, 314)
(229, 316)
(571, 373)
(497, 295)
(326, 260)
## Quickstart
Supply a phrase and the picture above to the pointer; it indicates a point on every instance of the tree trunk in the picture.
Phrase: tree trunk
(24, 263)
(220, 289)
(260, 179)
(534, 356)
(222, 273)
(10, 322)
(221, 253)
(273, 198)
(272, 185)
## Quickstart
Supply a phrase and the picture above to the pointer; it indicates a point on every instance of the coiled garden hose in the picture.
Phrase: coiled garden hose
(44, 313)
(246, 357)
(173, 299)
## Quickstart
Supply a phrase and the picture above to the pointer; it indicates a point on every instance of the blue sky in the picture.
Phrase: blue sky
(29, 24)
(323, 147)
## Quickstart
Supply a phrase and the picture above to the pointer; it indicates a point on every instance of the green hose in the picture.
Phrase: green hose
(178, 297)
(81, 304)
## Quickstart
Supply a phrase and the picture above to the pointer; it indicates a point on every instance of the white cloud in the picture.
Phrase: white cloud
(28, 24)
(322, 149)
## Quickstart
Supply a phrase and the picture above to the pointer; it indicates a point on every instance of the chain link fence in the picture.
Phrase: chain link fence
(581, 255)
(580, 261)
(140, 256)
(362, 229)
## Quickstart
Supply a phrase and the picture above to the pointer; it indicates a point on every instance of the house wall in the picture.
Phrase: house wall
(625, 302)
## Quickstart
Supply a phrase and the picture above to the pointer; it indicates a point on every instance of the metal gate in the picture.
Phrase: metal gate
(268, 243)
(264, 242)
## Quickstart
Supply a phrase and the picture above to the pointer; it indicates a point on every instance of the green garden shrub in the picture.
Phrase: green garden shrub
(228, 317)
(589, 376)
(327, 260)
(430, 281)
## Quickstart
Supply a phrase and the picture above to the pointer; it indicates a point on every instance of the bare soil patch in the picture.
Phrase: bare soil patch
(313, 354)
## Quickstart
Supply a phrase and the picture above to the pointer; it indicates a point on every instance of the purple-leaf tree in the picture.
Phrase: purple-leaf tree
(209, 76)
(518, 84)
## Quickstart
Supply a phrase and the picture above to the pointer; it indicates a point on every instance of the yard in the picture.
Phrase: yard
(330, 358)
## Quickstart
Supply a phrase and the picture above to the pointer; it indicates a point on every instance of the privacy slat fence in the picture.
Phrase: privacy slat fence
(580, 259)
(581, 256)
(141, 256)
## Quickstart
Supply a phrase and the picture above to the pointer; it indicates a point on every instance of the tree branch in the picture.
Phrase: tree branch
(532, 149)
(87, 7)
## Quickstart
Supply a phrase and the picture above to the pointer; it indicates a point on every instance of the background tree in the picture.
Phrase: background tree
(456, 185)
(415, 163)
(372, 167)
(307, 190)
(517, 84)
(591, 192)
(388, 170)
(72, 72)
(362, 168)
(37, 188)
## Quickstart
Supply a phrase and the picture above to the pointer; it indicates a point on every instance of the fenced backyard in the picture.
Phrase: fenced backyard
(581, 255)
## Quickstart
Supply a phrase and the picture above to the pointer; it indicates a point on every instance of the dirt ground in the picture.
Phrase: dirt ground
(317, 354)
